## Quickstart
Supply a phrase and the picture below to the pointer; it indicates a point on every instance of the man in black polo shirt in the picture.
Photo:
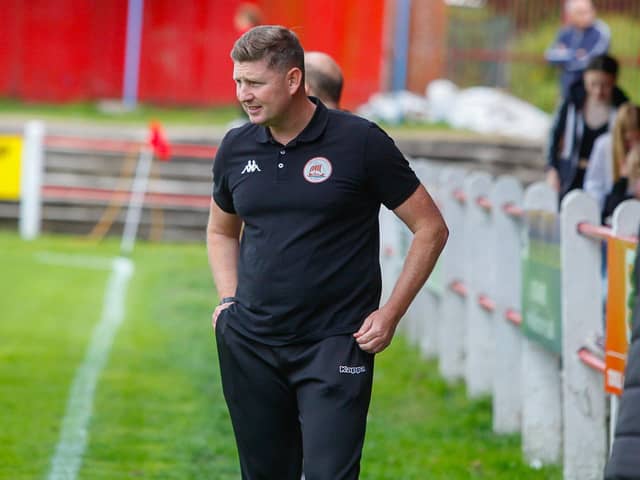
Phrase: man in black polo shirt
(299, 321)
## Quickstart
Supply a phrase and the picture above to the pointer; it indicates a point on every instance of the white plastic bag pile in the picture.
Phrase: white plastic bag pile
(479, 109)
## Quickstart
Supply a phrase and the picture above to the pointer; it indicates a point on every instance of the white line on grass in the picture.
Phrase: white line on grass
(71, 260)
(74, 434)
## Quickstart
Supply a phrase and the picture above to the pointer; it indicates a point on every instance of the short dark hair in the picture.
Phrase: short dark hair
(603, 63)
(279, 45)
(325, 85)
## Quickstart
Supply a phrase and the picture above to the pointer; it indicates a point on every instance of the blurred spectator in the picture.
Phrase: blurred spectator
(624, 462)
(627, 186)
(583, 38)
(248, 15)
(609, 153)
(323, 78)
(588, 112)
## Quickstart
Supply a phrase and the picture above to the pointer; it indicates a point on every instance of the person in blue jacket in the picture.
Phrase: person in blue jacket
(583, 38)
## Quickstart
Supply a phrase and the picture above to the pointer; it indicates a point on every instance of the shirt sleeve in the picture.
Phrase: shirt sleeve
(595, 41)
(387, 172)
(221, 193)
(559, 52)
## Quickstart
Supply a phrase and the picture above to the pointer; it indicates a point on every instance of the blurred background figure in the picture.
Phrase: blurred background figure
(583, 38)
(588, 112)
(323, 78)
(610, 151)
(626, 187)
(248, 15)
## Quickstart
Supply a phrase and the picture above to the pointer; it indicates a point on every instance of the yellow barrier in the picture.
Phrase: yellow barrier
(10, 156)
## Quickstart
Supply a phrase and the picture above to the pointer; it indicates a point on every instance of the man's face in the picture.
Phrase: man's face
(263, 92)
(581, 13)
(599, 85)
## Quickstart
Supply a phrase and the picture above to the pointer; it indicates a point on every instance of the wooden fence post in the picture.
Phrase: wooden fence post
(389, 252)
(582, 316)
(451, 333)
(541, 381)
(30, 219)
(479, 361)
(506, 292)
(428, 301)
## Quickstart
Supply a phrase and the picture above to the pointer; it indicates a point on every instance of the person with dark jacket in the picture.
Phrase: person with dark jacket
(624, 462)
(587, 112)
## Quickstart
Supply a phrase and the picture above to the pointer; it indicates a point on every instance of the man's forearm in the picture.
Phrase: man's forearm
(223, 260)
(423, 254)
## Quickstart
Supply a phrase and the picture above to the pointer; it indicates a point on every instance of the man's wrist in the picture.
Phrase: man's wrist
(227, 300)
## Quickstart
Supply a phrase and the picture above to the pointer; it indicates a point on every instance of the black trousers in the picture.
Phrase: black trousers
(289, 403)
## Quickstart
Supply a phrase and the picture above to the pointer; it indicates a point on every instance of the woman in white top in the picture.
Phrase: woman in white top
(610, 151)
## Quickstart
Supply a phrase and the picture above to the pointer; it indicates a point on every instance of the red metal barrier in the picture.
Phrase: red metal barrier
(513, 210)
(459, 195)
(486, 303)
(459, 288)
(151, 198)
(591, 360)
(484, 203)
(513, 316)
(599, 232)
(125, 146)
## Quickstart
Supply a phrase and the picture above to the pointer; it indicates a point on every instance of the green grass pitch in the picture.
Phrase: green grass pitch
(158, 410)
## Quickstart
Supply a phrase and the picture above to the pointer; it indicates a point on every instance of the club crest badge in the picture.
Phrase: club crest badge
(317, 170)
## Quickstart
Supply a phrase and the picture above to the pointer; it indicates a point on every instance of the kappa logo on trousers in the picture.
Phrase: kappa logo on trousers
(352, 370)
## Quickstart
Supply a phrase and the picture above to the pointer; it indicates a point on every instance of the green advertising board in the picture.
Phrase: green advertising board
(541, 307)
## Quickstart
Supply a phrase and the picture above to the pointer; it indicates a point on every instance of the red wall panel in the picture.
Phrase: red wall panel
(185, 52)
(74, 49)
(10, 48)
(107, 38)
(351, 32)
(64, 50)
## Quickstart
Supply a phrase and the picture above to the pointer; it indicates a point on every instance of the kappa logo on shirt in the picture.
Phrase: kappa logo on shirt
(251, 167)
(352, 370)
(317, 170)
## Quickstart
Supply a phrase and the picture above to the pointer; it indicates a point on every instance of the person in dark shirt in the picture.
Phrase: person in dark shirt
(299, 320)
(588, 112)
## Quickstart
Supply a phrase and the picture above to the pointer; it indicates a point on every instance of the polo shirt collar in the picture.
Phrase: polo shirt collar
(311, 132)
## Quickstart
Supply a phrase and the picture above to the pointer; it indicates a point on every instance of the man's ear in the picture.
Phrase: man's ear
(294, 80)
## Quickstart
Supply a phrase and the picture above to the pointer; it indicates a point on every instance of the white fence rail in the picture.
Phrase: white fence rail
(470, 314)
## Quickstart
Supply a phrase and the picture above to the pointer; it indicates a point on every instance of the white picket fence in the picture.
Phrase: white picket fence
(469, 315)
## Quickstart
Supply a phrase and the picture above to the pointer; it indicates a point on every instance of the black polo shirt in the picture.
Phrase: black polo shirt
(309, 254)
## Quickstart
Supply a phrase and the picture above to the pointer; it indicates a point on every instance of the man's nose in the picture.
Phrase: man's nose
(243, 93)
